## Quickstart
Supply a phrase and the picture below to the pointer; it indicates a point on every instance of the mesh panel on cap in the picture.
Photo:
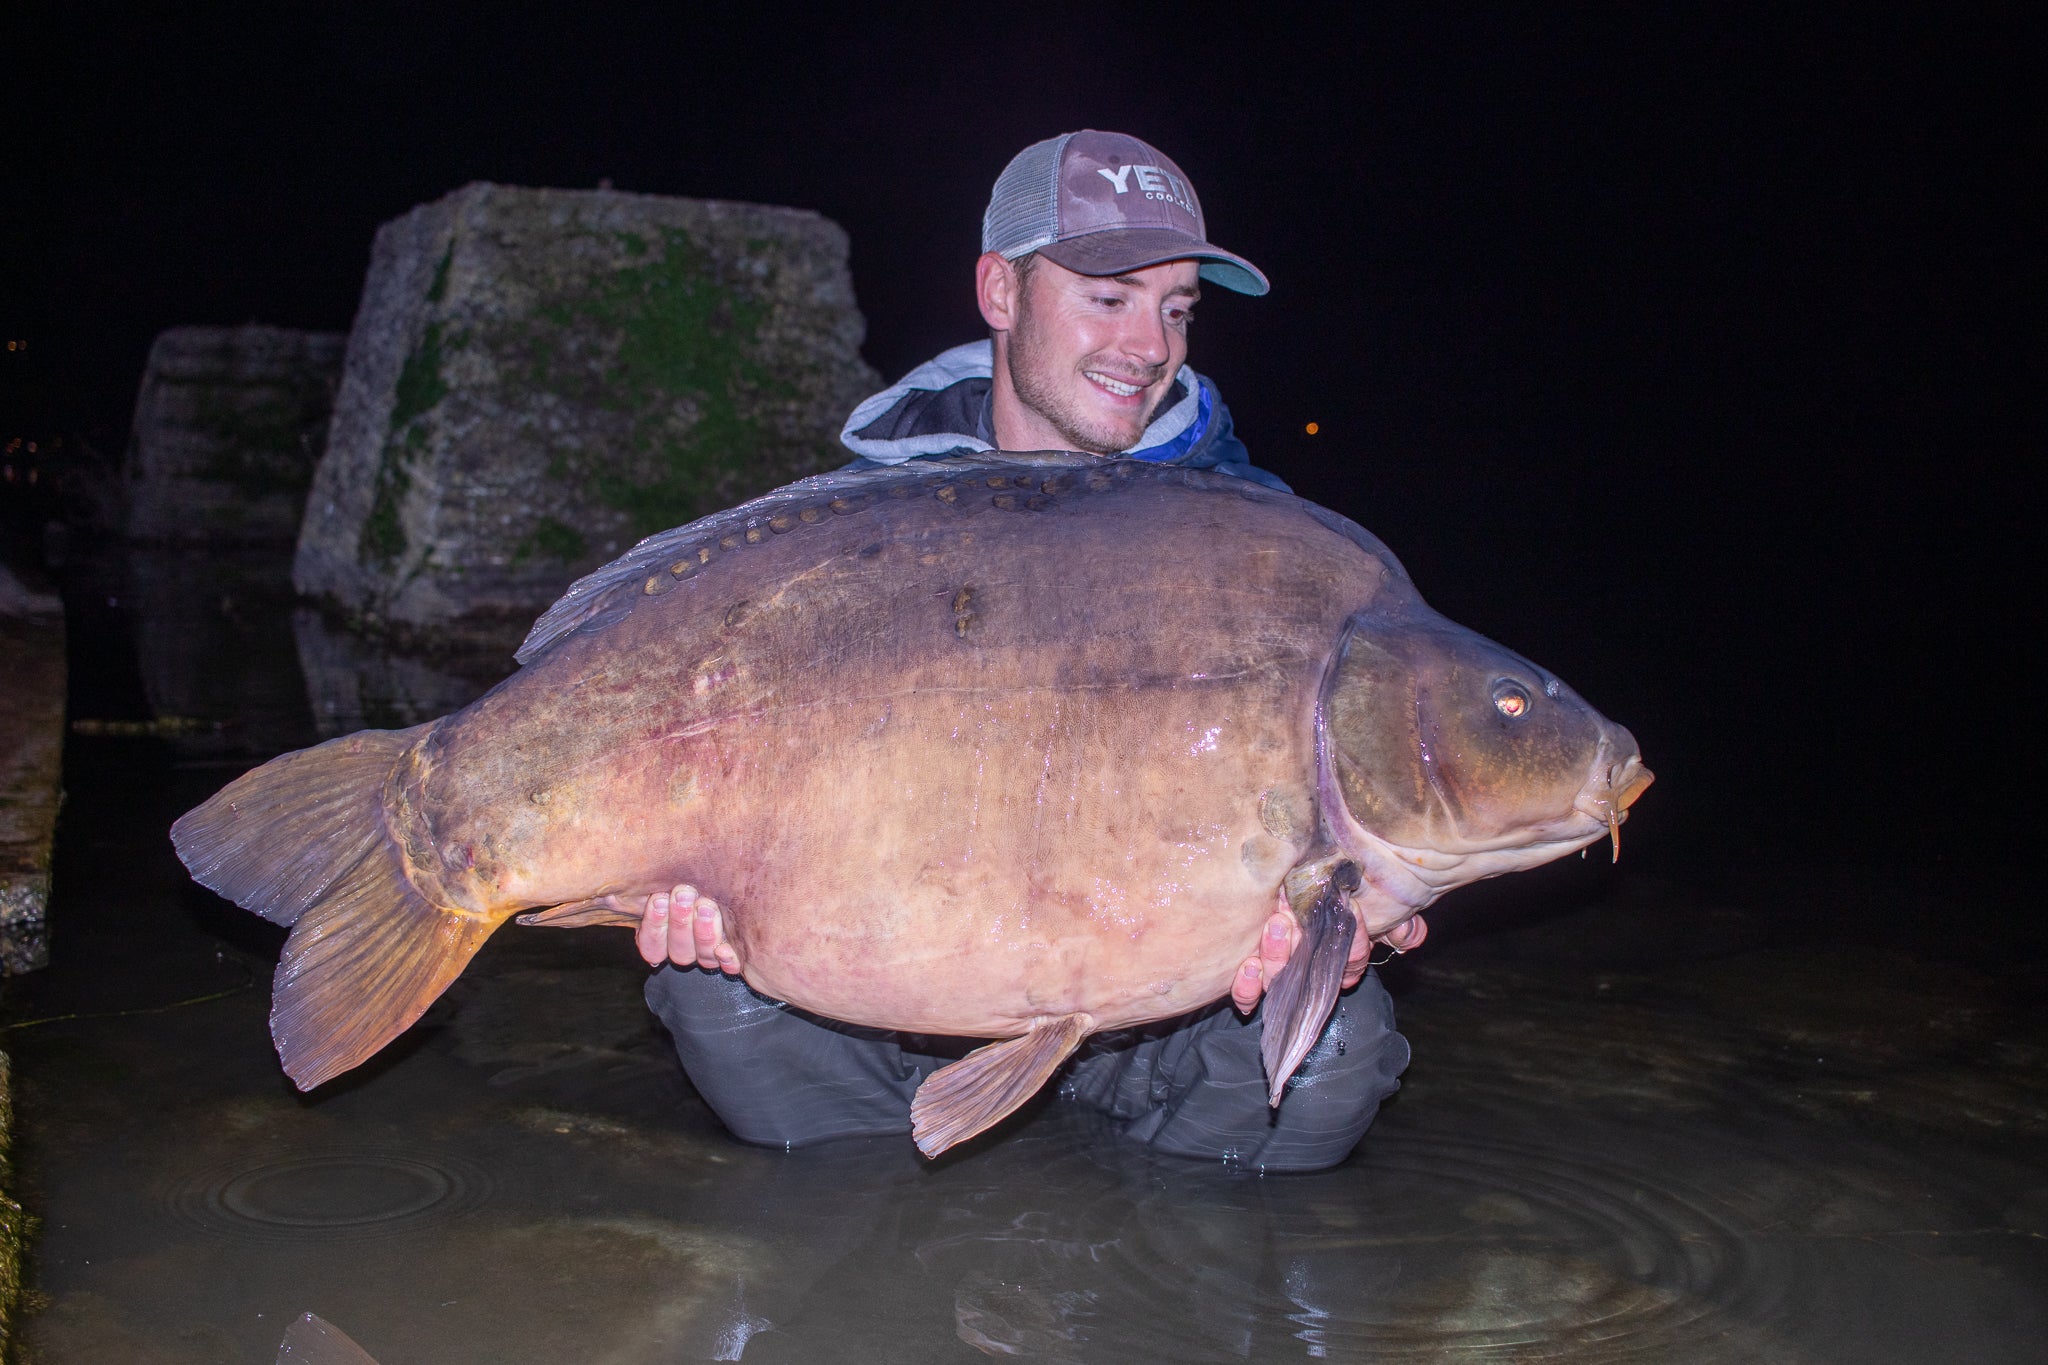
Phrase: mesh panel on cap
(1024, 210)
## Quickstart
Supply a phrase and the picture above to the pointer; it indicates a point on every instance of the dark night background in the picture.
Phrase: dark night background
(1694, 351)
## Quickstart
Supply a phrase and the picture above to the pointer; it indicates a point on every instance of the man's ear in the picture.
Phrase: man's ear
(996, 289)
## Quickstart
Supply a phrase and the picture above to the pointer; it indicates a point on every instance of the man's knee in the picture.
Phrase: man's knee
(1211, 1096)
(776, 1076)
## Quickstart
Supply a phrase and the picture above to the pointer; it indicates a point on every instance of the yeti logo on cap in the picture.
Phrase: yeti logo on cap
(1154, 182)
(1141, 212)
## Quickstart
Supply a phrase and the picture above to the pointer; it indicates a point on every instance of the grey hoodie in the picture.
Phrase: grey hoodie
(942, 408)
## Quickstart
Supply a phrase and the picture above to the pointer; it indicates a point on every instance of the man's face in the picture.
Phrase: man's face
(1093, 357)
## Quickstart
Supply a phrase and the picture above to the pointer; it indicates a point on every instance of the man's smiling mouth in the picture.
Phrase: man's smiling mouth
(1122, 388)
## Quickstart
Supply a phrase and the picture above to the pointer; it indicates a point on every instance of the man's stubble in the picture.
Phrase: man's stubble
(1036, 387)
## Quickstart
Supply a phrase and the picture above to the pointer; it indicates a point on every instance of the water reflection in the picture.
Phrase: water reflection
(354, 683)
(231, 663)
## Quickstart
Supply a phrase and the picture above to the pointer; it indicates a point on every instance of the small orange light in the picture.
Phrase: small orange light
(1314, 427)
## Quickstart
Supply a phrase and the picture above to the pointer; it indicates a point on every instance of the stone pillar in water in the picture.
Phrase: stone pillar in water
(31, 767)
(538, 378)
(229, 424)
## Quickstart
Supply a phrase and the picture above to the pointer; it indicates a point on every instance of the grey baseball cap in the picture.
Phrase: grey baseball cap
(1104, 203)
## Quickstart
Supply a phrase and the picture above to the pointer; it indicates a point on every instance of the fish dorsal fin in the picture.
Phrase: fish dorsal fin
(988, 1084)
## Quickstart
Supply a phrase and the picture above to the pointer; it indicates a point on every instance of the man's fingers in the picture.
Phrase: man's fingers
(651, 938)
(712, 949)
(1276, 945)
(1409, 933)
(703, 912)
(687, 928)
(707, 932)
(1247, 986)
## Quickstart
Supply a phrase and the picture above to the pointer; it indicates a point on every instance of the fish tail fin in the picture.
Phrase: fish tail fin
(277, 837)
(302, 841)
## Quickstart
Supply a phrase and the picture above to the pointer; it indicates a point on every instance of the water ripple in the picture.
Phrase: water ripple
(329, 1194)
(1428, 1248)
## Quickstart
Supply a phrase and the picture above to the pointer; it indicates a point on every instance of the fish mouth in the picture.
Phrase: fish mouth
(1615, 787)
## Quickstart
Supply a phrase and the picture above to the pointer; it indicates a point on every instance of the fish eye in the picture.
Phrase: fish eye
(1511, 699)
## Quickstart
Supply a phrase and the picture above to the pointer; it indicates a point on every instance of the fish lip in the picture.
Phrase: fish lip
(1609, 793)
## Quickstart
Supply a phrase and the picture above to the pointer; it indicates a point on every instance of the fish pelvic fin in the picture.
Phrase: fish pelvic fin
(599, 910)
(303, 841)
(1299, 1001)
(988, 1084)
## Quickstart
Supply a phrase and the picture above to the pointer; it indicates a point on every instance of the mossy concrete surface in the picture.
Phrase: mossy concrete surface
(31, 767)
(538, 378)
(229, 424)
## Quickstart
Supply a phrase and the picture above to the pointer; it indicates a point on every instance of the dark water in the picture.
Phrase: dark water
(1657, 1112)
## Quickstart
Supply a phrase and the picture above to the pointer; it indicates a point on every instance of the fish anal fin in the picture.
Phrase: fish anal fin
(600, 910)
(362, 964)
(1299, 1001)
(988, 1084)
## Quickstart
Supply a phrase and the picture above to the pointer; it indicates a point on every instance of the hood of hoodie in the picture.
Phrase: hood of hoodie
(942, 406)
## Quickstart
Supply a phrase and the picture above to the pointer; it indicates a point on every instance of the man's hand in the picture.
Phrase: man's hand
(1276, 945)
(685, 928)
(1409, 933)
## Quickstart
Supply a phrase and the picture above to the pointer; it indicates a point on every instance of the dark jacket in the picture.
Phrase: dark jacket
(942, 408)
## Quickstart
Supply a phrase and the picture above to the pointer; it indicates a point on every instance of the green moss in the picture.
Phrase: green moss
(438, 290)
(686, 342)
(552, 538)
(420, 388)
(420, 384)
(383, 536)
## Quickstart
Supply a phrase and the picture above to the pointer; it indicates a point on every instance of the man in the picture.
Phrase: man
(1094, 250)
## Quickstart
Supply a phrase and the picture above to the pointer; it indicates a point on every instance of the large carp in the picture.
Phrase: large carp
(1009, 747)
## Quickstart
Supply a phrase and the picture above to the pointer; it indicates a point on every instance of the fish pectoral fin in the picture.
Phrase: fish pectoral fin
(600, 910)
(988, 1084)
(1299, 1001)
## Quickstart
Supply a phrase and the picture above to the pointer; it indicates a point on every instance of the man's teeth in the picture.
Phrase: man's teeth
(1115, 386)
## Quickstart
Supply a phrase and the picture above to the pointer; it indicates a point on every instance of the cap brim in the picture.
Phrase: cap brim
(1120, 250)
